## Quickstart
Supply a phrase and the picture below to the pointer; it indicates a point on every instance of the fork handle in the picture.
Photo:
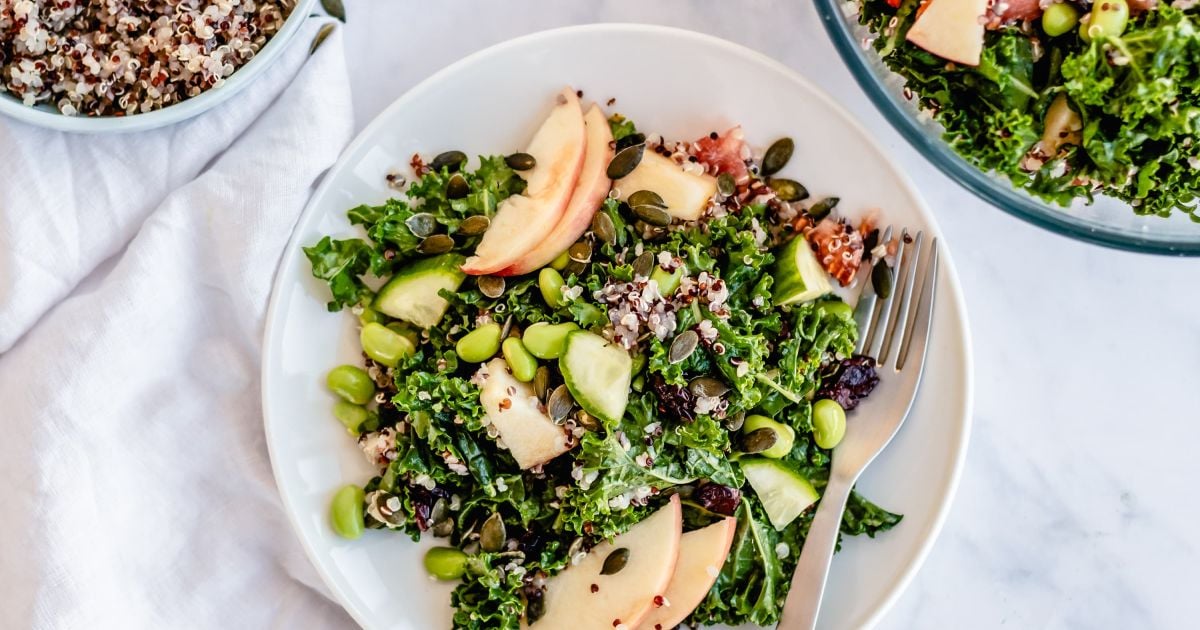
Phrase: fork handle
(808, 582)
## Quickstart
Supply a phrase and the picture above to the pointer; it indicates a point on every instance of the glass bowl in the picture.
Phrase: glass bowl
(1105, 222)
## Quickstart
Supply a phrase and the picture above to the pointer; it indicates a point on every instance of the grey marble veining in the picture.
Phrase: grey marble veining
(1079, 504)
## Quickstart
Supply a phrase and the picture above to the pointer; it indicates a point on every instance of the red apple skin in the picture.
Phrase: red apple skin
(589, 193)
(523, 221)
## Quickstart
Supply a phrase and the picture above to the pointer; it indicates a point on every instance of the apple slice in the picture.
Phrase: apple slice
(702, 553)
(582, 599)
(686, 194)
(523, 221)
(590, 191)
(511, 406)
(951, 29)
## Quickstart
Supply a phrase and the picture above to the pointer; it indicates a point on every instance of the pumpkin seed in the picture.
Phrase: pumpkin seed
(630, 140)
(421, 224)
(508, 325)
(615, 561)
(726, 185)
(334, 8)
(457, 187)
(535, 609)
(647, 198)
(643, 264)
(474, 224)
(560, 404)
(438, 511)
(735, 422)
(490, 286)
(653, 215)
(541, 382)
(777, 156)
(822, 208)
(881, 278)
(580, 252)
(759, 440)
(390, 516)
(320, 38)
(520, 161)
(574, 268)
(436, 244)
(787, 189)
(625, 161)
(493, 533)
(604, 228)
(708, 386)
(452, 160)
(683, 346)
(443, 528)
(587, 420)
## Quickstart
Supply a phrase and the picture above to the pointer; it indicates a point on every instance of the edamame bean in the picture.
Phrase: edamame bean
(480, 344)
(561, 262)
(351, 383)
(522, 364)
(385, 345)
(836, 308)
(445, 563)
(786, 435)
(346, 512)
(546, 341)
(1059, 18)
(639, 363)
(1107, 19)
(551, 283)
(829, 423)
(350, 415)
(370, 315)
(667, 281)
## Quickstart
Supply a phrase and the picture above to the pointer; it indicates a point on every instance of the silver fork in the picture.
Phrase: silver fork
(895, 332)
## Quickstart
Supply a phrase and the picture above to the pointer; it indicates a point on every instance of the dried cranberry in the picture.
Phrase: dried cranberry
(422, 502)
(535, 604)
(717, 498)
(673, 401)
(531, 543)
(851, 381)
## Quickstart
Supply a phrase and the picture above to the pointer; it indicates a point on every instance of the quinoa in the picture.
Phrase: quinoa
(124, 57)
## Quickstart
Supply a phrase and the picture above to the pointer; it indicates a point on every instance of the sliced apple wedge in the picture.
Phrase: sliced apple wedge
(590, 191)
(580, 598)
(702, 553)
(523, 221)
(686, 194)
(511, 406)
(951, 29)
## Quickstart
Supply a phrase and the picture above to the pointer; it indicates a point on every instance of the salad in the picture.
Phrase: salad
(1066, 98)
(605, 372)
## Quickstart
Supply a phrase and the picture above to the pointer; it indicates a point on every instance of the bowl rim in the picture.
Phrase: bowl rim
(831, 14)
(271, 329)
(183, 110)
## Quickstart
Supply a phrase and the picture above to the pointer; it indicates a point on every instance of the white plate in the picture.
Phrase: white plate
(674, 82)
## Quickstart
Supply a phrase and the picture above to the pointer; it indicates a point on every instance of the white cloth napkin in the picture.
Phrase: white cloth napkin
(135, 486)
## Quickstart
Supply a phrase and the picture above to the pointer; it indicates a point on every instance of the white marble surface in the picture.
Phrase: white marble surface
(1079, 503)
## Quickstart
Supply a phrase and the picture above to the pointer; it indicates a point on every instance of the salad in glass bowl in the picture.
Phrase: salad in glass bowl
(606, 371)
(1078, 115)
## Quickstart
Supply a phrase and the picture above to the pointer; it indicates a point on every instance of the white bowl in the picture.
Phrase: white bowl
(46, 115)
(491, 102)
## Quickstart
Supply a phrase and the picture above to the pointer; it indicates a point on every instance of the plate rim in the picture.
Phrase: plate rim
(272, 329)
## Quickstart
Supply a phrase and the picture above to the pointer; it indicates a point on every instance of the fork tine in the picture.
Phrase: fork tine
(922, 313)
(864, 315)
(884, 309)
(905, 281)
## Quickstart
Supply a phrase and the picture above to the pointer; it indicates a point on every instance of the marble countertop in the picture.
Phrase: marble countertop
(1078, 502)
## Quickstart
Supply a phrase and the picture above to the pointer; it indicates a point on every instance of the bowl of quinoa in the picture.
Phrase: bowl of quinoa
(129, 65)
